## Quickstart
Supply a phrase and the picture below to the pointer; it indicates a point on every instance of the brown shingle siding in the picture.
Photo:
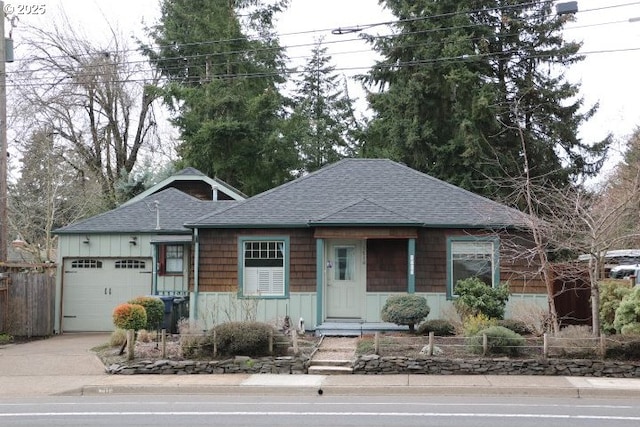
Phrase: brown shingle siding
(219, 258)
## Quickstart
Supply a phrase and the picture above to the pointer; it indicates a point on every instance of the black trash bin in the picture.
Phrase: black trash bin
(180, 311)
(168, 311)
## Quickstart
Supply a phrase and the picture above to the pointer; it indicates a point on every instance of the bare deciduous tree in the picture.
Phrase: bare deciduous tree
(97, 99)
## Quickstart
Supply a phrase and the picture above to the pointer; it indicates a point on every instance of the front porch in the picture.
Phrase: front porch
(356, 328)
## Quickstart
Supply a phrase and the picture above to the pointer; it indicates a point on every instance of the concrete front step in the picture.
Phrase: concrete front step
(330, 370)
(331, 362)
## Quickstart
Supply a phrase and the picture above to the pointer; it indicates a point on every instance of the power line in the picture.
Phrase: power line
(406, 64)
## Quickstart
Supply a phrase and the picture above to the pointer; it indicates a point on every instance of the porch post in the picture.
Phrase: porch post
(154, 269)
(411, 267)
(319, 279)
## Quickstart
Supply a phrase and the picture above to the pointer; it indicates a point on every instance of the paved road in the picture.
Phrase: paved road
(319, 411)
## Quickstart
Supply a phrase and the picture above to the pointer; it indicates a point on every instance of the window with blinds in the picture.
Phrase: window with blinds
(263, 268)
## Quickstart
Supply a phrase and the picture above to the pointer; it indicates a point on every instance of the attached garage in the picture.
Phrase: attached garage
(93, 287)
(139, 248)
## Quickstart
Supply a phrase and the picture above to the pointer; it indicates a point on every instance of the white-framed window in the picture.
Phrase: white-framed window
(171, 259)
(472, 257)
(130, 264)
(263, 266)
(86, 263)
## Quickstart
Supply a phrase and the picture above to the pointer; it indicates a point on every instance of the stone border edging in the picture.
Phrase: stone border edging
(381, 365)
(377, 365)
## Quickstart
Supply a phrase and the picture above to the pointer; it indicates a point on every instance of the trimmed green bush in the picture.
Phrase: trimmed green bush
(475, 297)
(628, 313)
(130, 316)
(517, 326)
(439, 327)
(500, 340)
(155, 311)
(405, 310)
(611, 294)
(243, 338)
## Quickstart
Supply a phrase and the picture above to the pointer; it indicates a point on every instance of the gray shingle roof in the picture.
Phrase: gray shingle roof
(176, 208)
(365, 191)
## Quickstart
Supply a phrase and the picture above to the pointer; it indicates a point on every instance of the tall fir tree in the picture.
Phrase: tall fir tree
(462, 82)
(323, 120)
(225, 68)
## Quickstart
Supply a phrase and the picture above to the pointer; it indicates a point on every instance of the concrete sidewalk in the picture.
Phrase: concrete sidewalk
(65, 365)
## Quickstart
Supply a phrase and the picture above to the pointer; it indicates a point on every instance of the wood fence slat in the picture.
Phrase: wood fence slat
(31, 301)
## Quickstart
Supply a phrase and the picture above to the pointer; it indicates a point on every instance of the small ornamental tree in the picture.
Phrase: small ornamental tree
(474, 297)
(405, 310)
(154, 307)
(130, 316)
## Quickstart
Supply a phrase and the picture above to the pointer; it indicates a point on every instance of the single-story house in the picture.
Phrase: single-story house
(331, 246)
(139, 248)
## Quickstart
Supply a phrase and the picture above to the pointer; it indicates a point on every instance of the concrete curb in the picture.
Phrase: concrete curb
(188, 389)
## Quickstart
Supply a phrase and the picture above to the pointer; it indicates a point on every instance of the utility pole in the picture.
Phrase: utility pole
(3, 142)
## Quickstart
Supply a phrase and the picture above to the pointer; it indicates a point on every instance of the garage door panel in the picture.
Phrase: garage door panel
(92, 288)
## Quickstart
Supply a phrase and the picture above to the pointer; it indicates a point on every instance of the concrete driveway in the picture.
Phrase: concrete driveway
(50, 366)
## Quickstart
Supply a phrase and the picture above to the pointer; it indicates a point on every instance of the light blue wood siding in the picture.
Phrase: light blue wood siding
(214, 308)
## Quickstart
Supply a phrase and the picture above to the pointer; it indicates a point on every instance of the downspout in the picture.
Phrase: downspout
(154, 269)
(196, 275)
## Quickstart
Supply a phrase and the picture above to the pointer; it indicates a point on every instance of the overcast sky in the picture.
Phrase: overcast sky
(609, 74)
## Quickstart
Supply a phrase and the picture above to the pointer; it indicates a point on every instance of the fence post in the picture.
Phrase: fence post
(431, 339)
(294, 339)
(485, 344)
(215, 343)
(603, 346)
(545, 345)
(376, 343)
(164, 343)
(270, 342)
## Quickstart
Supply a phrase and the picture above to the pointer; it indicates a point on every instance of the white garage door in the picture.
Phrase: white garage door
(93, 287)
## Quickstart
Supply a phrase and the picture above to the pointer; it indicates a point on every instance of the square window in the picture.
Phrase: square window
(171, 259)
(472, 257)
(263, 267)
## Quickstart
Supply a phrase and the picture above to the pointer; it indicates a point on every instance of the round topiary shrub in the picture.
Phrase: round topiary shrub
(628, 313)
(476, 297)
(129, 316)
(439, 327)
(405, 310)
(154, 307)
(500, 340)
(243, 338)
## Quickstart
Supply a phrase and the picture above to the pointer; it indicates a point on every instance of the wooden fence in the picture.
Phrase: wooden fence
(27, 304)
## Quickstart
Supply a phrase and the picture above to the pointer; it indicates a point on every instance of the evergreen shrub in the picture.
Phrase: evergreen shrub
(611, 294)
(439, 327)
(130, 316)
(475, 297)
(627, 319)
(500, 340)
(406, 310)
(154, 308)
